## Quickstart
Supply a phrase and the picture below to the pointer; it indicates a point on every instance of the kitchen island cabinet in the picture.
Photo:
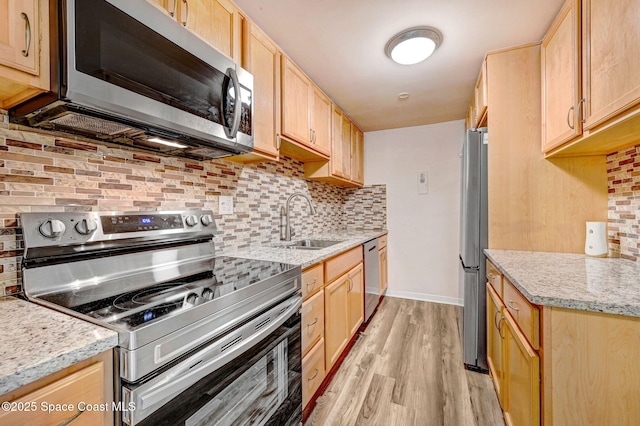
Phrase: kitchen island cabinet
(24, 51)
(583, 369)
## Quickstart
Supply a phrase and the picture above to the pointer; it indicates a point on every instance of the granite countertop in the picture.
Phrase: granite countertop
(38, 341)
(276, 252)
(575, 281)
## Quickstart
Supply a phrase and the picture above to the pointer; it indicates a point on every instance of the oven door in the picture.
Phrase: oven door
(251, 376)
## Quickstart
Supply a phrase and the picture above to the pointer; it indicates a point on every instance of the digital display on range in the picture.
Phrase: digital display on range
(140, 223)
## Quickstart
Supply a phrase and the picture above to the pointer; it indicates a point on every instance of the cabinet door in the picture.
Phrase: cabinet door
(336, 319)
(19, 35)
(480, 96)
(169, 6)
(384, 274)
(560, 79)
(522, 378)
(357, 154)
(264, 64)
(313, 372)
(312, 321)
(495, 336)
(346, 147)
(216, 21)
(356, 299)
(336, 162)
(320, 121)
(611, 58)
(295, 103)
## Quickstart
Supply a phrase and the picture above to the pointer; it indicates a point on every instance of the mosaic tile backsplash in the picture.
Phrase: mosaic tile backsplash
(44, 172)
(623, 174)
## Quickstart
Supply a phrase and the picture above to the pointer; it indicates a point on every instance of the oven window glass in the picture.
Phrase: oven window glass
(260, 387)
(114, 47)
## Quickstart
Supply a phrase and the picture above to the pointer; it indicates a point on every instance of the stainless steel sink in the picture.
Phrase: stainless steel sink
(311, 244)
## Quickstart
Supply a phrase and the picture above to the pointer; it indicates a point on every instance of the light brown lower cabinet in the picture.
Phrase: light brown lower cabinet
(561, 367)
(313, 371)
(80, 395)
(336, 308)
(384, 269)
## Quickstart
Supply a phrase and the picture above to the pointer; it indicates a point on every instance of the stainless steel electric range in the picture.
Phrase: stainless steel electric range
(202, 339)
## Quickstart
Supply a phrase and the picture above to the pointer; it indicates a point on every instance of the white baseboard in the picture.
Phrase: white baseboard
(426, 297)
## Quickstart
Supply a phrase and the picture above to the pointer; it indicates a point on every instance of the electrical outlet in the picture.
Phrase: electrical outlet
(423, 183)
(225, 204)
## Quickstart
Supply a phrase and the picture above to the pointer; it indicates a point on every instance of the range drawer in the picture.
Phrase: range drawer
(312, 321)
(526, 315)
(312, 280)
(312, 372)
(333, 268)
(494, 277)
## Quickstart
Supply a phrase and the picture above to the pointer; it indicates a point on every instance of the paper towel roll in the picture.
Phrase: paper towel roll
(596, 241)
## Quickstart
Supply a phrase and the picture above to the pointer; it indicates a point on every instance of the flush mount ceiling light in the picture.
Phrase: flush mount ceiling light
(413, 45)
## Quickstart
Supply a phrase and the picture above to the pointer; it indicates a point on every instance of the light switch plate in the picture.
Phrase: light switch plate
(423, 183)
(225, 204)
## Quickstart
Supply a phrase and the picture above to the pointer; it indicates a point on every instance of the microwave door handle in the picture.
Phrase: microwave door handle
(237, 113)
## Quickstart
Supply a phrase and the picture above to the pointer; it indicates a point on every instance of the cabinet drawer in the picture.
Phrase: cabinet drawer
(494, 277)
(526, 315)
(340, 264)
(312, 280)
(85, 386)
(312, 372)
(312, 321)
(382, 241)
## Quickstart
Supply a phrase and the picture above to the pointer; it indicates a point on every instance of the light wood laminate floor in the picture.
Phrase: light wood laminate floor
(407, 369)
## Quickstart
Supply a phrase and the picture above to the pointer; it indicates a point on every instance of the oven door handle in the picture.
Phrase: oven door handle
(201, 364)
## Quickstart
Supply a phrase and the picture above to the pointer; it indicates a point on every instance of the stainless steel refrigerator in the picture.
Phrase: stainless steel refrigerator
(473, 241)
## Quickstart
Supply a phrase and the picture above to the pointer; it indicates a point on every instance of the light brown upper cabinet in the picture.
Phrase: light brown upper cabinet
(357, 155)
(262, 59)
(217, 22)
(561, 105)
(591, 57)
(24, 50)
(480, 96)
(306, 115)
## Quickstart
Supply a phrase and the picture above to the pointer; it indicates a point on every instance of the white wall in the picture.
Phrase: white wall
(423, 229)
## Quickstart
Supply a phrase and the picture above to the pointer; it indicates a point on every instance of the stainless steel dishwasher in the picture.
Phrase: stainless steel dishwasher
(371, 278)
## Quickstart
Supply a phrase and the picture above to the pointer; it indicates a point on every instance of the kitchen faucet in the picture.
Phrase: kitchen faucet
(285, 229)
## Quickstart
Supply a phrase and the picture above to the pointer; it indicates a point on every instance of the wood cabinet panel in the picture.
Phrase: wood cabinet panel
(356, 299)
(320, 121)
(216, 21)
(335, 163)
(24, 50)
(522, 378)
(346, 147)
(312, 280)
(611, 58)
(494, 277)
(340, 264)
(357, 155)
(526, 315)
(382, 241)
(495, 335)
(384, 269)
(312, 321)
(480, 98)
(336, 308)
(313, 372)
(560, 52)
(86, 386)
(295, 103)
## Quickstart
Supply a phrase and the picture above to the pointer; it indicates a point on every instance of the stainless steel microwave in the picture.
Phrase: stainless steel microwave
(125, 72)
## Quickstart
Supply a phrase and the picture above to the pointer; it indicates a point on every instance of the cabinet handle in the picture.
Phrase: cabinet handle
(312, 283)
(278, 142)
(72, 418)
(569, 114)
(27, 34)
(511, 303)
(581, 110)
(186, 13)
(495, 320)
(313, 323)
(350, 284)
(499, 329)
(175, 8)
(314, 376)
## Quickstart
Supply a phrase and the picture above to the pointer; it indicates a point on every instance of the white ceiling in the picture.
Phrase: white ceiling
(340, 45)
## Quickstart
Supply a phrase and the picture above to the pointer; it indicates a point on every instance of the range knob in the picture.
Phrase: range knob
(52, 228)
(206, 219)
(207, 294)
(86, 226)
(192, 298)
(191, 220)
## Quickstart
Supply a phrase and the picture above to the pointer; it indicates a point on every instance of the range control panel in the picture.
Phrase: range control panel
(69, 228)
